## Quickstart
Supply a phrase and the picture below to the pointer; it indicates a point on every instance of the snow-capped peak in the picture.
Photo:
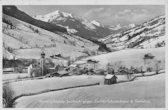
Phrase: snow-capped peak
(59, 13)
(67, 14)
(53, 15)
(96, 23)
(74, 23)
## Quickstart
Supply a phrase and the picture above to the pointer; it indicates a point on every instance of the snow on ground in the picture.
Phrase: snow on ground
(153, 42)
(33, 39)
(88, 24)
(134, 39)
(128, 57)
(124, 38)
(150, 30)
(33, 43)
(56, 82)
(53, 15)
(159, 28)
(7, 54)
(14, 76)
(33, 86)
(144, 92)
(60, 49)
(14, 43)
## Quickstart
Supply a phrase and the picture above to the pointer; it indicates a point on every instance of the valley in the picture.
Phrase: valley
(61, 60)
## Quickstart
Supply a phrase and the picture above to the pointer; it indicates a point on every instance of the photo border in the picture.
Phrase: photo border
(90, 2)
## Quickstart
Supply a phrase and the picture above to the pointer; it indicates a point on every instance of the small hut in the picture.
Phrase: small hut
(113, 79)
(110, 79)
(92, 61)
(148, 57)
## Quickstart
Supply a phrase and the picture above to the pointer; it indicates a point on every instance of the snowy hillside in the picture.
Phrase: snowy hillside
(128, 58)
(76, 25)
(24, 40)
(148, 35)
(13, 11)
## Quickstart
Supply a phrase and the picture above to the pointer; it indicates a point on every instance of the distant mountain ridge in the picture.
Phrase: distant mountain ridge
(150, 34)
(82, 27)
(58, 21)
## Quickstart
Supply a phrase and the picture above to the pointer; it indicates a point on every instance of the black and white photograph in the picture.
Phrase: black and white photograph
(83, 55)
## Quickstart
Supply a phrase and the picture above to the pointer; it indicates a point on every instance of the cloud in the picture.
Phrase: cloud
(124, 12)
(144, 11)
(107, 15)
(93, 11)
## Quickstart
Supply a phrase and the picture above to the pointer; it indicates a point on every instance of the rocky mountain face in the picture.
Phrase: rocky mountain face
(76, 25)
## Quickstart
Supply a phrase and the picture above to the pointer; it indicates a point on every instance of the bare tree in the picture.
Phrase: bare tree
(8, 96)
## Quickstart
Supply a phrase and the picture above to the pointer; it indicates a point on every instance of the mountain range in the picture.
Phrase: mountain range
(149, 34)
(78, 36)
(25, 38)
(80, 26)
(76, 25)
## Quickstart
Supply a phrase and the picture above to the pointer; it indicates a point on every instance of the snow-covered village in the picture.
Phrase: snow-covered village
(83, 56)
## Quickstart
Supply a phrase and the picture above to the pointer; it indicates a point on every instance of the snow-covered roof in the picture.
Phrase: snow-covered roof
(148, 56)
(8, 55)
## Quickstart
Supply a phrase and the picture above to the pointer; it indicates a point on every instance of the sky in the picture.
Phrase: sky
(105, 14)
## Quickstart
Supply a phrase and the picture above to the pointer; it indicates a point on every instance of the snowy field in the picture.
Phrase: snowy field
(128, 57)
(144, 92)
(12, 75)
(37, 85)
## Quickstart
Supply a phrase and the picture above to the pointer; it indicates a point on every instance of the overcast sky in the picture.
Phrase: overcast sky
(105, 14)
